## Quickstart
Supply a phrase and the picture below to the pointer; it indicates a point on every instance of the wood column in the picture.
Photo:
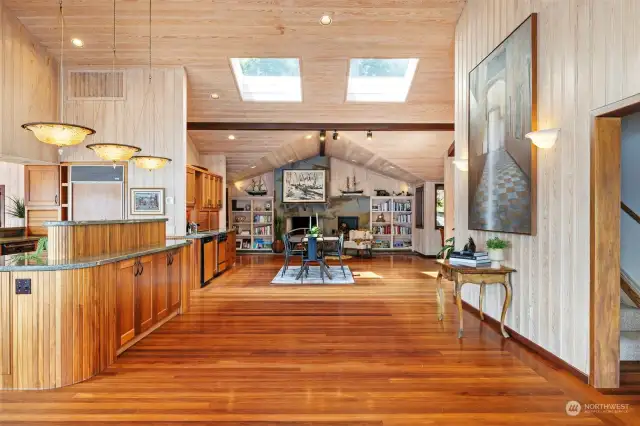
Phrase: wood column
(605, 253)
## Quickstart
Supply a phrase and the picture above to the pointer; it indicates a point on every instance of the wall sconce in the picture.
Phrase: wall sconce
(544, 138)
(462, 165)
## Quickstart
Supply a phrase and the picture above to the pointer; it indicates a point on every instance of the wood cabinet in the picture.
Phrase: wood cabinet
(219, 192)
(191, 187)
(174, 276)
(203, 221)
(161, 285)
(126, 300)
(222, 256)
(42, 186)
(231, 249)
(209, 260)
(145, 317)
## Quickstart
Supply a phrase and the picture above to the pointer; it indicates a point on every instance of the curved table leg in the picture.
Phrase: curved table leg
(482, 290)
(440, 296)
(507, 303)
(459, 303)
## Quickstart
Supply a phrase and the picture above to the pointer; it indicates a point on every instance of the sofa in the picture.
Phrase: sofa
(361, 241)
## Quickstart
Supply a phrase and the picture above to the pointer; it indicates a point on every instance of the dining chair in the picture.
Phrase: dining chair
(338, 252)
(289, 252)
(315, 254)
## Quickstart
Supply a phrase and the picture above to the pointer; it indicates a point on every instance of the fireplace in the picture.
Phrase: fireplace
(348, 222)
(301, 222)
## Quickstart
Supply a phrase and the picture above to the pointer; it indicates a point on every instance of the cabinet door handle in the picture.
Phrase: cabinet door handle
(56, 199)
(137, 265)
(141, 268)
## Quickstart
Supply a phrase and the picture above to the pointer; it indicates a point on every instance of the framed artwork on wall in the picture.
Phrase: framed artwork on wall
(502, 110)
(304, 186)
(147, 201)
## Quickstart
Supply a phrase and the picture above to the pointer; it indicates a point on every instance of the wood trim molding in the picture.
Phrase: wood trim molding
(604, 318)
(630, 212)
(345, 127)
(628, 289)
(533, 347)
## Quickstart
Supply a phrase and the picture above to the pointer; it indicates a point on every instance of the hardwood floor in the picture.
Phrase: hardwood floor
(372, 353)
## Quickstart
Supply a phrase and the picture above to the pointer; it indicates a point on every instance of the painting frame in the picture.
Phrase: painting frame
(136, 207)
(291, 194)
(473, 178)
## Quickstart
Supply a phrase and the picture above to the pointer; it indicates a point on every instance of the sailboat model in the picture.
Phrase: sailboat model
(257, 188)
(352, 188)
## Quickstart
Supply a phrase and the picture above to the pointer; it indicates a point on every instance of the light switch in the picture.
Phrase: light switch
(169, 200)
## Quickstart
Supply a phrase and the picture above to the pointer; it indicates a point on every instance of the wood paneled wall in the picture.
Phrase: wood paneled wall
(29, 79)
(135, 126)
(193, 155)
(72, 242)
(12, 177)
(587, 58)
(427, 240)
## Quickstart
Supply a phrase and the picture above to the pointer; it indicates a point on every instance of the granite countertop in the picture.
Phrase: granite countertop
(201, 235)
(101, 222)
(7, 240)
(29, 262)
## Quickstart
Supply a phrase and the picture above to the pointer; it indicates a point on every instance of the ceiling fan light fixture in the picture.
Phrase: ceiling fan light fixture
(150, 162)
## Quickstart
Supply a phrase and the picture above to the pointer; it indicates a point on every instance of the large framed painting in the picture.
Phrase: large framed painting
(502, 110)
(304, 186)
(147, 201)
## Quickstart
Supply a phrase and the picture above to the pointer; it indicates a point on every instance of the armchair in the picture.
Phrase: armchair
(360, 241)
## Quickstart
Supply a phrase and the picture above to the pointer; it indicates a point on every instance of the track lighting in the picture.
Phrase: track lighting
(323, 135)
(336, 136)
(369, 135)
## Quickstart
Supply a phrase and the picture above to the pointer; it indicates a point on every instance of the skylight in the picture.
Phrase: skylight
(268, 79)
(380, 80)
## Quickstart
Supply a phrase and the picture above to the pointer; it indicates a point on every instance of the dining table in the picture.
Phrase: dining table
(312, 255)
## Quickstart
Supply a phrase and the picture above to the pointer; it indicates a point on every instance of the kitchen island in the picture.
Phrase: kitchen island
(65, 315)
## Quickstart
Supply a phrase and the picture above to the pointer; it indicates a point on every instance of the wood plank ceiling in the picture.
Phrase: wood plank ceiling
(202, 35)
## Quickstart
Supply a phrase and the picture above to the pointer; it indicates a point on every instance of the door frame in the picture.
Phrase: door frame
(604, 223)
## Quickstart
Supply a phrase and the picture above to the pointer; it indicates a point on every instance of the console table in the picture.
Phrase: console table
(462, 275)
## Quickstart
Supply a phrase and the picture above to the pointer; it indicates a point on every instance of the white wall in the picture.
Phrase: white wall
(165, 136)
(427, 241)
(449, 196)
(12, 177)
(367, 179)
(629, 229)
(218, 164)
(588, 57)
(237, 189)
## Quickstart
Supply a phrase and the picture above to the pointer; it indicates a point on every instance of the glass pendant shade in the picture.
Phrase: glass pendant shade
(150, 162)
(59, 134)
(114, 151)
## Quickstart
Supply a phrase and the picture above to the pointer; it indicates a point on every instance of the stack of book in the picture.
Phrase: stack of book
(468, 258)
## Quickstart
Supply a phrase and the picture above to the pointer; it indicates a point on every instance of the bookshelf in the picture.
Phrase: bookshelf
(253, 217)
(391, 222)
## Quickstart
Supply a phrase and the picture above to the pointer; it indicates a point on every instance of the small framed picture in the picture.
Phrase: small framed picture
(148, 201)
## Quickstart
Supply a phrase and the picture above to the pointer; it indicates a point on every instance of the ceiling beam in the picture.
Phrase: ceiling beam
(375, 127)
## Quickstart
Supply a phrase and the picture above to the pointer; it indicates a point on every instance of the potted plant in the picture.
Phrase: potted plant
(449, 245)
(495, 247)
(314, 232)
(278, 244)
(16, 209)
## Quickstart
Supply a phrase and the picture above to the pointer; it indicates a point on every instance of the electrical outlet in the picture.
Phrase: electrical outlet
(23, 286)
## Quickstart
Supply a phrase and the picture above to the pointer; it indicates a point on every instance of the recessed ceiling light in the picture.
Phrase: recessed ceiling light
(215, 96)
(326, 20)
(291, 160)
(391, 167)
(353, 161)
(77, 42)
(231, 137)
(308, 136)
(253, 167)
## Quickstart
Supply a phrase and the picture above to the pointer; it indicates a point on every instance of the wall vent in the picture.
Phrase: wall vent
(83, 85)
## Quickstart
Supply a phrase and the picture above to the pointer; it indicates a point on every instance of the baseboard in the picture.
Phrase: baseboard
(534, 347)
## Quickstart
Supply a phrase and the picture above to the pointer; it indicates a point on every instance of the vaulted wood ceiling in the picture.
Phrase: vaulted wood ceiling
(202, 35)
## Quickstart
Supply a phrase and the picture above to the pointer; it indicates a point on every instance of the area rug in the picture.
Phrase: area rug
(314, 276)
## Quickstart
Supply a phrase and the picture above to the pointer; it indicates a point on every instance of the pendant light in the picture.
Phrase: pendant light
(60, 133)
(114, 151)
(150, 162)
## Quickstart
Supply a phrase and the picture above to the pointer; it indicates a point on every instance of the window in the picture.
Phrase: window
(420, 207)
(380, 80)
(439, 206)
(268, 79)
